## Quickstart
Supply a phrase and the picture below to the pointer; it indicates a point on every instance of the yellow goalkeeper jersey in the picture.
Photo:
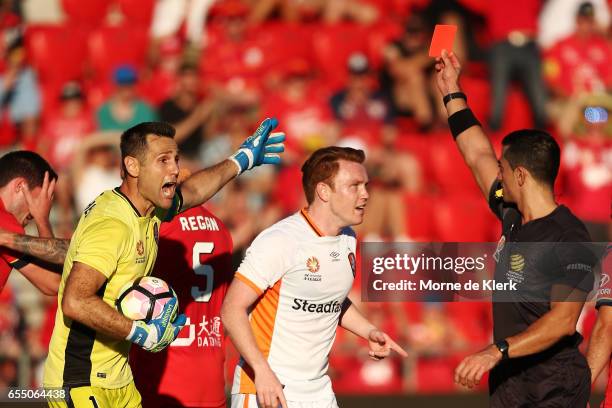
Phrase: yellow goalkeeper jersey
(113, 238)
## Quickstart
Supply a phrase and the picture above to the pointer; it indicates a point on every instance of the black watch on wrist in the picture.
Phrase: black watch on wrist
(453, 95)
(503, 346)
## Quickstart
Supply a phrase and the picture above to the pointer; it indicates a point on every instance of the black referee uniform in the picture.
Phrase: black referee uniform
(558, 376)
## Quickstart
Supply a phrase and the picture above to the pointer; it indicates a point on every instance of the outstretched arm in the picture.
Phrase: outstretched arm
(473, 143)
(260, 148)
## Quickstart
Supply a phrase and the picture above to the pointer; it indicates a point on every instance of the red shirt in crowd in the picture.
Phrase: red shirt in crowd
(588, 180)
(579, 64)
(524, 17)
(63, 136)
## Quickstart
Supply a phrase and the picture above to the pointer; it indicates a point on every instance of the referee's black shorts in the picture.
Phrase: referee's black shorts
(560, 380)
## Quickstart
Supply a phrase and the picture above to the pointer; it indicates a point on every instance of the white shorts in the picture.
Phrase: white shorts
(250, 401)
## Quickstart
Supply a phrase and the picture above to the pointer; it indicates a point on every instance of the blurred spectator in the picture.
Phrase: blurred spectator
(515, 54)
(11, 26)
(557, 19)
(361, 107)
(289, 10)
(236, 62)
(302, 108)
(187, 112)
(360, 11)
(64, 129)
(159, 80)
(576, 66)
(587, 166)
(365, 120)
(406, 70)
(43, 11)
(96, 168)
(244, 205)
(170, 15)
(124, 109)
(20, 103)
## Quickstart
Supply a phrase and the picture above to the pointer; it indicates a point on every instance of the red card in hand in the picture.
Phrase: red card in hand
(443, 38)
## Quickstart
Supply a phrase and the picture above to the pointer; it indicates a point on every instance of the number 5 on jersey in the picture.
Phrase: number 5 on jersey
(202, 248)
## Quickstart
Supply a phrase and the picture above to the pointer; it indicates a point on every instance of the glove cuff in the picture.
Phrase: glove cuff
(133, 332)
(233, 160)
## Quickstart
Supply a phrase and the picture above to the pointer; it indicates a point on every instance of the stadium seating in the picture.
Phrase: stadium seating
(462, 218)
(57, 53)
(88, 13)
(138, 12)
(332, 46)
(111, 46)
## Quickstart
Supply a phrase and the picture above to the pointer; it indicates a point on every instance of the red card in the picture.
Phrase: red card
(443, 39)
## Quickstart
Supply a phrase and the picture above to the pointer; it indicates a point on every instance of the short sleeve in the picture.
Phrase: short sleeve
(266, 260)
(102, 243)
(577, 260)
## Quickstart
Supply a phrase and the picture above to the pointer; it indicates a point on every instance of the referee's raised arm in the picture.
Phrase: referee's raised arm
(473, 143)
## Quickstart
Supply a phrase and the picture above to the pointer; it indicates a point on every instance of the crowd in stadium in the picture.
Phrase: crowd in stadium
(75, 74)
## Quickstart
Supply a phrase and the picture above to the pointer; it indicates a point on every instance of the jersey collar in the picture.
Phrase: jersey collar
(310, 222)
(117, 191)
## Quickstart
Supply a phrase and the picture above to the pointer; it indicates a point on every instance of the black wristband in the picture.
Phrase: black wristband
(454, 95)
(461, 121)
(503, 347)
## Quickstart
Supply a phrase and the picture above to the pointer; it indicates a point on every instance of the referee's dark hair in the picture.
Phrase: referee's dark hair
(535, 150)
(134, 140)
(24, 163)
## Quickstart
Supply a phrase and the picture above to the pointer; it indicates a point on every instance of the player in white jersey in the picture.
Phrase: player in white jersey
(294, 281)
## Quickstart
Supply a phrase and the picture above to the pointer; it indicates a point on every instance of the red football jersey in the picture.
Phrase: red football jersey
(8, 258)
(195, 259)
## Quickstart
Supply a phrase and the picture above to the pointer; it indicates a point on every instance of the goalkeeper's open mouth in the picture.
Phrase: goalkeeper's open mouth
(168, 189)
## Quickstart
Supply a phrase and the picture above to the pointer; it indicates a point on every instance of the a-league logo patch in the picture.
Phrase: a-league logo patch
(351, 258)
(139, 248)
(312, 264)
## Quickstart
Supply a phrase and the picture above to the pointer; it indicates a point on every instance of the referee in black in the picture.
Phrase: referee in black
(534, 360)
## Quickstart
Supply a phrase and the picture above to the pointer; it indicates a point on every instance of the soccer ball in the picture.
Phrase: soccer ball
(144, 299)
